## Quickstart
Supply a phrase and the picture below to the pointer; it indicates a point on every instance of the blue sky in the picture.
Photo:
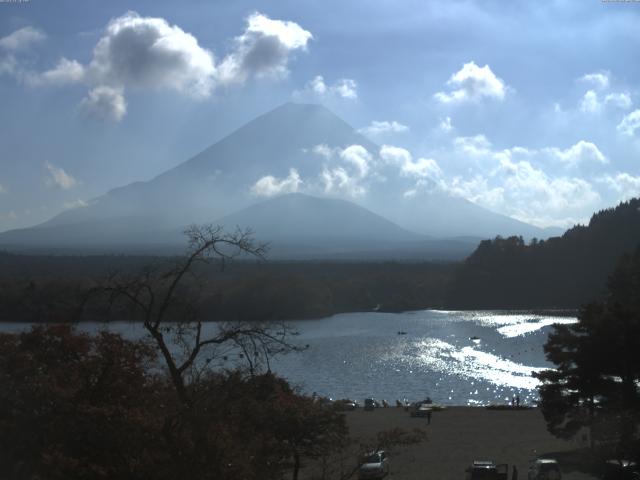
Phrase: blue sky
(527, 108)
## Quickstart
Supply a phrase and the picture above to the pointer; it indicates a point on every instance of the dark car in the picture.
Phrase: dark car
(620, 470)
(345, 404)
(544, 469)
(370, 404)
(487, 470)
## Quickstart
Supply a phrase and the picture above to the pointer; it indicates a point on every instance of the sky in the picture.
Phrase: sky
(530, 109)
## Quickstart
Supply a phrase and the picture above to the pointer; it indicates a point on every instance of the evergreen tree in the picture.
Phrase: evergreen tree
(596, 381)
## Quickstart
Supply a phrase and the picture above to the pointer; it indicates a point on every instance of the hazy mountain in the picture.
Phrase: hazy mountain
(217, 182)
(302, 226)
(445, 216)
(299, 217)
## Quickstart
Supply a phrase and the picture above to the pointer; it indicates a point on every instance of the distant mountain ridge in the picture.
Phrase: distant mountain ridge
(216, 184)
(562, 272)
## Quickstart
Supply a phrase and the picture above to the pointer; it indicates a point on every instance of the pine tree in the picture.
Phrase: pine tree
(595, 383)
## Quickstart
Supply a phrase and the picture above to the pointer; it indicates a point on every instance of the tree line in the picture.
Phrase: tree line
(561, 272)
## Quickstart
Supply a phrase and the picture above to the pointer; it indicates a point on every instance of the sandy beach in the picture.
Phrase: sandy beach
(459, 435)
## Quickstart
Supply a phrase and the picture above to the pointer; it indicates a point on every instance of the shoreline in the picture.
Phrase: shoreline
(550, 312)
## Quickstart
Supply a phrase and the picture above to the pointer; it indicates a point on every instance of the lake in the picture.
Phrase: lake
(456, 358)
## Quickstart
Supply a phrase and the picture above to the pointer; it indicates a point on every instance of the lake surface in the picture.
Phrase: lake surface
(456, 358)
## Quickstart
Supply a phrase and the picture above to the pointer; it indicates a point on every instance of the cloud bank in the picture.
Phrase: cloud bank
(472, 84)
(148, 53)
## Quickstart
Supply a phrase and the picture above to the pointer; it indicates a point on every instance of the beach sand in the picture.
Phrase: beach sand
(459, 435)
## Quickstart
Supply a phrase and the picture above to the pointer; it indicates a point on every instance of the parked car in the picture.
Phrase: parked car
(374, 465)
(345, 404)
(620, 470)
(487, 470)
(370, 404)
(544, 469)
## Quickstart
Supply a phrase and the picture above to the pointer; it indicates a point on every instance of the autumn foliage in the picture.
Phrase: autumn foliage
(91, 407)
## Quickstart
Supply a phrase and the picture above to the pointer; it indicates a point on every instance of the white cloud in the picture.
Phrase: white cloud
(590, 102)
(64, 73)
(511, 183)
(147, 52)
(581, 152)
(78, 203)
(395, 155)
(59, 178)
(533, 196)
(8, 65)
(445, 125)
(263, 50)
(268, 186)
(626, 185)
(477, 145)
(472, 84)
(338, 181)
(2, 189)
(346, 88)
(381, 127)
(599, 79)
(138, 52)
(323, 150)
(619, 100)
(358, 156)
(104, 103)
(478, 190)
(630, 123)
(22, 39)
(422, 168)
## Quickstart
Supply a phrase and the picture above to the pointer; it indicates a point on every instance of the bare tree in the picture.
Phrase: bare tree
(170, 312)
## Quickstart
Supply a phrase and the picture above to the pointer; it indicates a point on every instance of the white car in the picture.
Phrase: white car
(374, 465)
(544, 469)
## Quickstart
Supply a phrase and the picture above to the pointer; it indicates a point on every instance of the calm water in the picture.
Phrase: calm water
(456, 358)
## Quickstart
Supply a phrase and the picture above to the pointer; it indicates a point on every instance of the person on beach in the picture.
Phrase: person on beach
(428, 417)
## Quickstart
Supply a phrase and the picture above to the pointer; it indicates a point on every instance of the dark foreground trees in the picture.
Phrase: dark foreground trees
(596, 383)
(75, 406)
(89, 407)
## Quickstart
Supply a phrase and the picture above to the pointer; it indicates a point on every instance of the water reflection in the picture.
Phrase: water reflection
(455, 358)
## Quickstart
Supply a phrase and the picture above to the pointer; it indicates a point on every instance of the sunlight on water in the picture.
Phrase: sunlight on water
(474, 364)
(529, 326)
(456, 358)
(508, 325)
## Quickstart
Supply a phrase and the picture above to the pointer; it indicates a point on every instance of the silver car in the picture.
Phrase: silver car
(374, 465)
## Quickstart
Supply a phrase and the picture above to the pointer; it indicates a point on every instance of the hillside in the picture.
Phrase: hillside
(561, 272)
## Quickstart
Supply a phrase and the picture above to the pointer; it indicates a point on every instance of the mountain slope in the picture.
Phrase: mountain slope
(304, 227)
(442, 215)
(296, 216)
(562, 272)
(218, 181)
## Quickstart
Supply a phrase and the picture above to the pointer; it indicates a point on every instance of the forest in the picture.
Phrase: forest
(50, 288)
(561, 272)
(503, 273)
